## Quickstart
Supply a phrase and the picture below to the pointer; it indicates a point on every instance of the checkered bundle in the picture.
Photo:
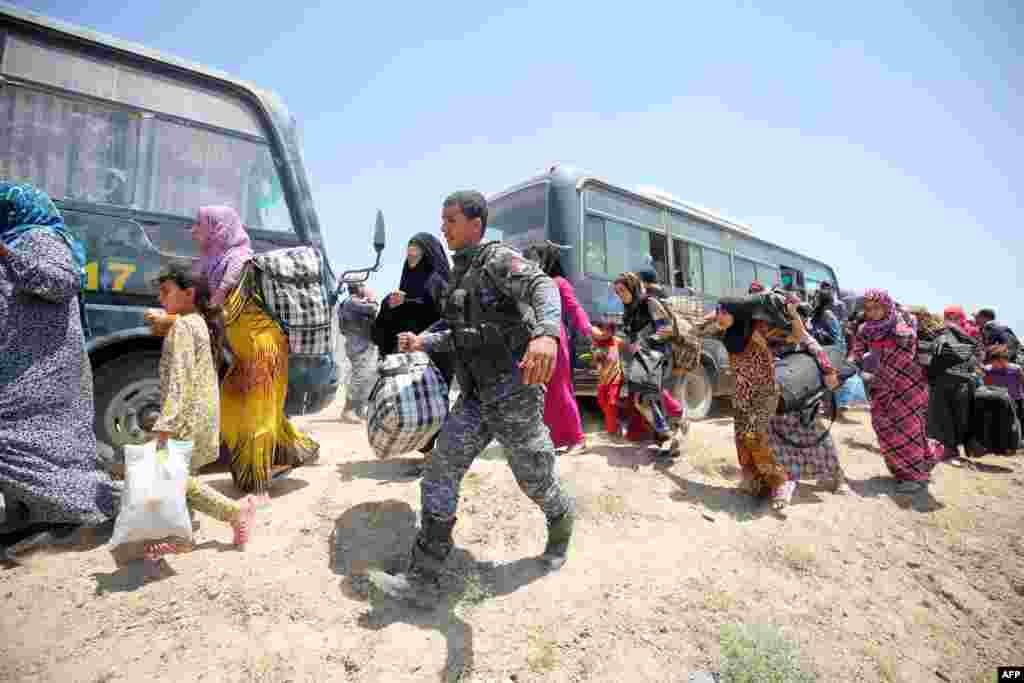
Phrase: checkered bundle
(407, 406)
(296, 294)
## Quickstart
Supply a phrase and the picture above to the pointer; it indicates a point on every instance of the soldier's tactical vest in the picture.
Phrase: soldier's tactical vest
(490, 333)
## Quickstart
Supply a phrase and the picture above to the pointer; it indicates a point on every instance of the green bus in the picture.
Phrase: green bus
(612, 229)
(129, 143)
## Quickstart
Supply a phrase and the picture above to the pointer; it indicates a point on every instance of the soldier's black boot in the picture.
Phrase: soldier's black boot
(421, 584)
(556, 552)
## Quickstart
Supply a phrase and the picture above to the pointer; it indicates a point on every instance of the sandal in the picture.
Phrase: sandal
(244, 523)
(783, 495)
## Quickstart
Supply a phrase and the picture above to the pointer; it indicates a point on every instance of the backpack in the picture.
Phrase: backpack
(296, 295)
(686, 313)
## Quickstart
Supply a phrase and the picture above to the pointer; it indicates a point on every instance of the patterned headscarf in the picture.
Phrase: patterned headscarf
(928, 325)
(24, 208)
(225, 250)
(876, 330)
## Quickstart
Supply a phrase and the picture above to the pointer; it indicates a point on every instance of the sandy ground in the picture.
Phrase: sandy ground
(873, 586)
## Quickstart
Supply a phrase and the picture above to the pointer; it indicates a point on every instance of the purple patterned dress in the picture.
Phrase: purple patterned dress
(49, 470)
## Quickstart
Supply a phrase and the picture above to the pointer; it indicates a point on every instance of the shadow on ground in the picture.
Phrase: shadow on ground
(874, 487)
(716, 499)
(278, 488)
(378, 535)
(854, 442)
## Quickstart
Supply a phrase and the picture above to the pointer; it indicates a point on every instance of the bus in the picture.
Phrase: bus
(129, 143)
(612, 229)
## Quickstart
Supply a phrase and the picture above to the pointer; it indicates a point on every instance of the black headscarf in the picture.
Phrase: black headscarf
(745, 310)
(423, 287)
(431, 274)
(636, 314)
(548, 256)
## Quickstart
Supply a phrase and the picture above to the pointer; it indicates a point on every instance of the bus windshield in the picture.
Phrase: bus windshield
(78, 150)
(519, 217)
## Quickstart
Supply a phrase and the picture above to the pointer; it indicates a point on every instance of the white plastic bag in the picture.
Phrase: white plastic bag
(153, 503)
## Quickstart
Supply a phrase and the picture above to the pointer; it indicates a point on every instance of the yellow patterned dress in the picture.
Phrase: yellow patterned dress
(253, 424)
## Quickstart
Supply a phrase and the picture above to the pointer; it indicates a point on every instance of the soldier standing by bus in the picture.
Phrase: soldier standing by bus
(501, 319)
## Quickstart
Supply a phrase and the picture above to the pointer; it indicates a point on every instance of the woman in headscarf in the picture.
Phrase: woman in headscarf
(561, 412)
(50, 475)
(262, 442)
(647, 327)
(746, 324)
(416, 305)
(955, 315)
(801, 444)
(899, 391)
(951, 390)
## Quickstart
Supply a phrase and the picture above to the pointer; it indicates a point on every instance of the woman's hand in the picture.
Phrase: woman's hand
(832, 380)
(4, 251)
(396, 298)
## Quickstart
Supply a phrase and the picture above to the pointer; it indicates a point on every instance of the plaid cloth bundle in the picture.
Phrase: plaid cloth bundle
(408, 404)
(294, 290)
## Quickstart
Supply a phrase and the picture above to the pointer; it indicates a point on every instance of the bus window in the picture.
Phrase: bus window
(521, 217)
(193, 167)
(613, 248)
(769, 277)
(689, 266)
(69, 148)
(717, 273)
(792, 279)
(746, 273)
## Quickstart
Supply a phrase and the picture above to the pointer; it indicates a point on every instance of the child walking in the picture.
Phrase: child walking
(190, 403)
(606, 357)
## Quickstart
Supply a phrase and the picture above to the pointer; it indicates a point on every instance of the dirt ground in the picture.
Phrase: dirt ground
(872, 586)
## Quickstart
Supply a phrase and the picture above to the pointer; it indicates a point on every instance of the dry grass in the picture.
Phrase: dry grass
(604, 504)
(800, 557)
(473, 591)
(714, 466)
(541, 651)
(884, 661)
(925, 622)
(472, 483)
(719, 600)
(952, 520)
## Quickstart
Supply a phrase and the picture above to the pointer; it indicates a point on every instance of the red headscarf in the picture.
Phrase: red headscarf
(957, 313)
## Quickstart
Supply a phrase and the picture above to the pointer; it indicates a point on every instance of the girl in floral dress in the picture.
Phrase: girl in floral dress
(190, 408)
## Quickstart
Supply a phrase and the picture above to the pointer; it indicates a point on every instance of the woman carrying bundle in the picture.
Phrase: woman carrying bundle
(899, 391)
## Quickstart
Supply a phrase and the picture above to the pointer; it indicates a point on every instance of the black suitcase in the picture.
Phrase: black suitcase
(994, 420)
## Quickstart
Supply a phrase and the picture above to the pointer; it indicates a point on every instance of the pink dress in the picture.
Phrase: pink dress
(561, 413)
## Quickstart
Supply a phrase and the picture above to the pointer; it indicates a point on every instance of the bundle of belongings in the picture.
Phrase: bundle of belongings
(995, 424)
(297, 295)
(407, 406)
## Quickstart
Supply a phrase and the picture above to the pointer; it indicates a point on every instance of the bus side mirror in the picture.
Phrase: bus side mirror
(379, 232)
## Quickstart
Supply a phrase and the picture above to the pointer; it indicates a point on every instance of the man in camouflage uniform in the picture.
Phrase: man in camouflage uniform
(357, 316)
(501, 319)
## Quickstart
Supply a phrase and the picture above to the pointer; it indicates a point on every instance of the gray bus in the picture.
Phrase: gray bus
(130, 143)
(612, 229)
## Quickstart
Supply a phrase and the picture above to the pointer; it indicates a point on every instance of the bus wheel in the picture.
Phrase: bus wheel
(697, 392)
(127, 391)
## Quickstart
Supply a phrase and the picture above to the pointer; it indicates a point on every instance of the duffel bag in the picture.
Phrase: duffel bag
(296, 295)
(646, 371)
(799, 380)
(407, 406)
(994, 420)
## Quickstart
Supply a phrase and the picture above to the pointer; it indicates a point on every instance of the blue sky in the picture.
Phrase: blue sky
(884, 140)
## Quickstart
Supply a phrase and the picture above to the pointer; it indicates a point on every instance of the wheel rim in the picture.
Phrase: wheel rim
(130, 409)
(696, 392)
